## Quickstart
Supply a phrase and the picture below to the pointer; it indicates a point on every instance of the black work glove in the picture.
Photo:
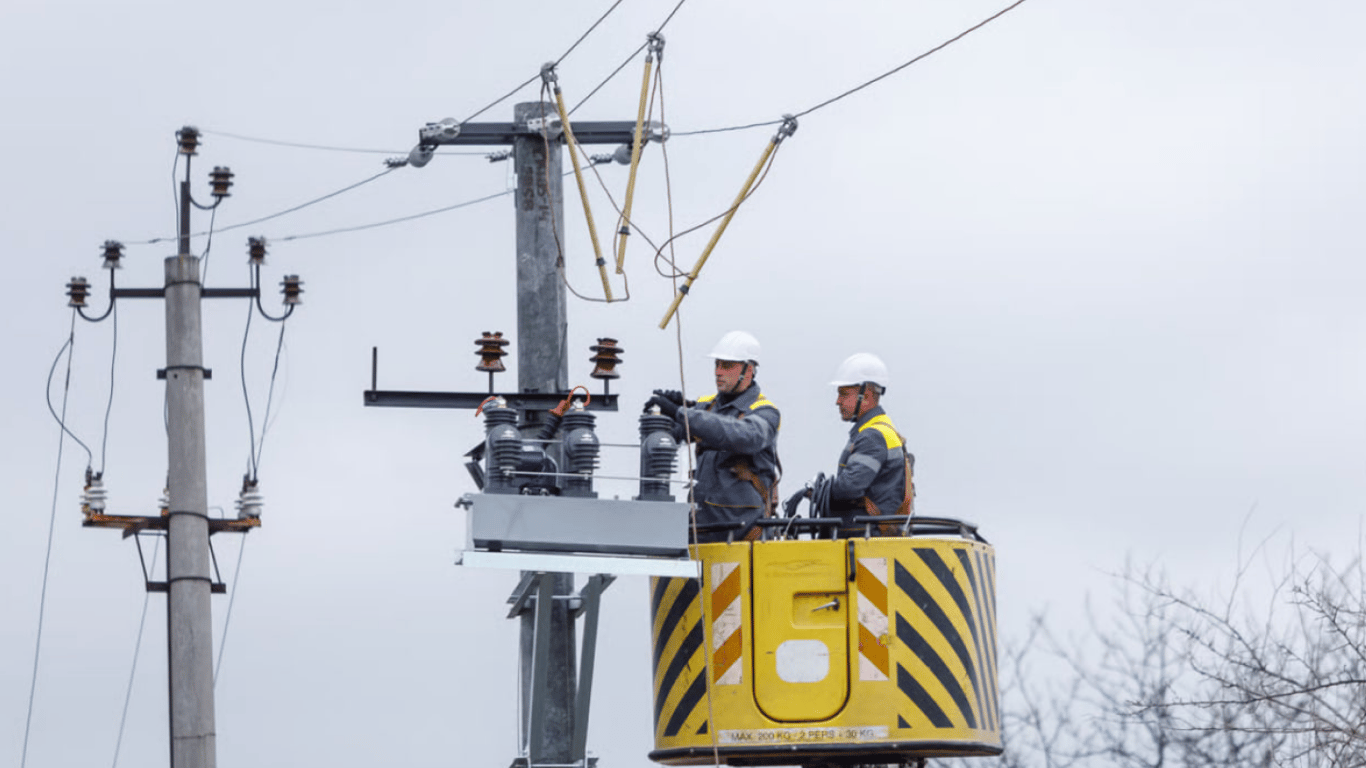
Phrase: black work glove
(820, 495)
(672, 395)
(666, 406)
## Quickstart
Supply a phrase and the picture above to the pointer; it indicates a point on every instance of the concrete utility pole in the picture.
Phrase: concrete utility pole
(536, 136)
(189, 623)
(543, 366)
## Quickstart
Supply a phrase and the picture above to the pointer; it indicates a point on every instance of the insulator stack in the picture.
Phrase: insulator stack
(580, 446)
(502, 447)
(490, 350)
(188, 138)
(606, 357)
(256, 251)
(113, 255)
(292, 288)
(94, 495)
(220, 178)
(658, 456)
(250, 501)
(77, 289)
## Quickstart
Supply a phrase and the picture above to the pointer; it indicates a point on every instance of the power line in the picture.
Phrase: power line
(270, 395)
(227, 619)
(863, 85)
(51, 525)
(537, 76)
(137, 646)
(113, 358)
(61, 420)
(931, 51)
(634, 54)
(323, 147)
(401, 219)
(298, 207)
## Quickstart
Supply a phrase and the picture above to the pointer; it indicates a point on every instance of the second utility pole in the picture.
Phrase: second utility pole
(189, 624)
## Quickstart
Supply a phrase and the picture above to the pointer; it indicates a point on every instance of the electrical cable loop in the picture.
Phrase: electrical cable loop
(786, 129)
(550, 80)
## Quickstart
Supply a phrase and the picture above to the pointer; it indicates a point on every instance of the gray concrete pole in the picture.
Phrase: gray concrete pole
(188, 581)
(543, 366)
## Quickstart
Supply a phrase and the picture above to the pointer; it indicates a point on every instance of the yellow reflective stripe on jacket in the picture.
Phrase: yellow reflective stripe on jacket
(761, 402)
(706, 398)
(884, 425)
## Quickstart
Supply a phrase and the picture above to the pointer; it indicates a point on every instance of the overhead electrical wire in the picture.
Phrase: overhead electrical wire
(204, 259)
(628, 59)
(113, 358)
(227, 619)
(323, 147)
(277, 215)
(270, 395)
(137, 646)
(913, 60)
(52, 521)
(862, 85)
(537, 76)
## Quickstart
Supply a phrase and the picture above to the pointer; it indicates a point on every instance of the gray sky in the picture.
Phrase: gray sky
(1107, 249)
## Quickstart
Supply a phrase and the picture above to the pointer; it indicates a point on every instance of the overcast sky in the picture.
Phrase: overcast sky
(1111, 252)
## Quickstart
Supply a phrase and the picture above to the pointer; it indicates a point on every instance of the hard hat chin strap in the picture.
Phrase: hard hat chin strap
(858, 404)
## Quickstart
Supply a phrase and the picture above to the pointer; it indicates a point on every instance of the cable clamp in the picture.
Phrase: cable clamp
(655, 41)
(551, 126)
(788, 128)
(440, 132)
(548, 75)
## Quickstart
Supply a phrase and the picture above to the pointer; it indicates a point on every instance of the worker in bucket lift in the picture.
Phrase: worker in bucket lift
(736, 434)
(875, 475)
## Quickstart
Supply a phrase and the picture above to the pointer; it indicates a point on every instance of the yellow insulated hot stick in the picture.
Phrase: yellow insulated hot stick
(788, 127)
(583, 191)
(656, 42)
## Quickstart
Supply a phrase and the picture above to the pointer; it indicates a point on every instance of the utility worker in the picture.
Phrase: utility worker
(875, 474)
(736, 432)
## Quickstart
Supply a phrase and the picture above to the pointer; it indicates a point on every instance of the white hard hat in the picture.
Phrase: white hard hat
(859, 368)
(736, 346)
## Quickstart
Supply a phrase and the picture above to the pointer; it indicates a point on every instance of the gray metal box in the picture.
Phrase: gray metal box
(567, 524)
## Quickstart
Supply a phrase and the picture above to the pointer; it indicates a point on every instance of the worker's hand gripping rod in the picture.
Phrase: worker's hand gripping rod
(788, 127)
(548, 77)
(656, 48)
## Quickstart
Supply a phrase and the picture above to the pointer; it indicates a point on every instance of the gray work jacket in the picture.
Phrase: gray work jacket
(872, 465)
(743, 429)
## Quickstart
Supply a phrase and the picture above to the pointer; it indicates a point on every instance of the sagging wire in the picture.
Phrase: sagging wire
(399, 220)
(109, 406)
(629, 58)
(232, 597)
(137, 646)
(788, 127)
(208, 246)
(52, 521)
(551, 81)
(255, 448)
(863, 85)
(915, 59)
(562, 57)
(326, 148)
(277, 215)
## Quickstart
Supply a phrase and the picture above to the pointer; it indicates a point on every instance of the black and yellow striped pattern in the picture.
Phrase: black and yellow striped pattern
(680, 682)
(945, 619)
